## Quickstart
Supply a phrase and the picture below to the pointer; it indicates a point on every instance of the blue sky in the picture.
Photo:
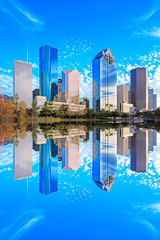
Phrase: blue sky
(81, 29)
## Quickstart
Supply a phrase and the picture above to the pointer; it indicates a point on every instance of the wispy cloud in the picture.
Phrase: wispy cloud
(147, 16)
(155, 32)
(22, 15)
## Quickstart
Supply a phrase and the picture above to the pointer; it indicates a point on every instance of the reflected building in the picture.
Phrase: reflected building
(48, 175)
(104, 81)
(22, 81)
(104, 158)
(22, 158)
(123, 135)
(69, 153)
(48, 71)
(152, 139)
(139, 151)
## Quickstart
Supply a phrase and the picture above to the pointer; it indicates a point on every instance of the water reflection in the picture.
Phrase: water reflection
(60, 149)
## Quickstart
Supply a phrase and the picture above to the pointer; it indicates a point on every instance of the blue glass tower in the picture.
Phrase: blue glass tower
(104, 80)
(48, 70)
(104, 164)
(48, 176)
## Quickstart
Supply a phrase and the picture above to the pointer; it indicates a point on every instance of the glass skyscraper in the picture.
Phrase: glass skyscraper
(48, 70)
(104, 80)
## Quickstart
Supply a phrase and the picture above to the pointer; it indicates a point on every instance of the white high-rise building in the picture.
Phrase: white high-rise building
(70, 86)
(22, 81)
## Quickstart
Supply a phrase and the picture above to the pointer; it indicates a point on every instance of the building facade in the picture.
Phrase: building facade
(35, 93)
(70, 86)
(22, 158)
(152, 99)
(139, 88)
(22, 81)
(48, 72)
(104, 81)
(104, 158)
(122, 99)
(139, 151)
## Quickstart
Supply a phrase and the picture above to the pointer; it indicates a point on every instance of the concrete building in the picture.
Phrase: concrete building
(85, 102)
(70, 86)
(104, 81)
(22, 158)
(139, 151)
(152, 99)
(139, 88)
(122, 99)
(123, 135)
(22, 81)
(104, 158)
(56, 105)
(48, 72)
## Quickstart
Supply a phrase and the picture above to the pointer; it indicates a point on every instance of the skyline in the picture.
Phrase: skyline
(77, 51)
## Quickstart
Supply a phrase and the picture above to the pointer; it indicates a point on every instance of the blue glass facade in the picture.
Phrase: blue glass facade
(48, 176)
(104, 80)
(104, 164)
(48, 67)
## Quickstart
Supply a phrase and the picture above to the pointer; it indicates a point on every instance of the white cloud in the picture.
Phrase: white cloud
(22, 15)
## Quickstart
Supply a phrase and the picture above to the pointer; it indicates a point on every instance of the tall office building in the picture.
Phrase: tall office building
(48, 71)
(22, 81)
(152, 99)
(70, 86)
(122, 99)
(104, 158)
(22, 158)
(139, 88)
(139, 152)
(104, 81)
(48, 176)
(35, 93)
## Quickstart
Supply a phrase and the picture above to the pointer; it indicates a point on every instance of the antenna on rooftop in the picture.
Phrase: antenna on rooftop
(27, 52)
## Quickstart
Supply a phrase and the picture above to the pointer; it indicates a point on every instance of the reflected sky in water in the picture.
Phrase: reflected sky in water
(105, 184)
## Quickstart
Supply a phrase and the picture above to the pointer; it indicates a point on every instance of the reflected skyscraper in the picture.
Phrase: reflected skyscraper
(48, 70)
(22, 158)
(152, 139)
(48, 168)
(123, 135)
(139, 151)
(70, 153)
(104, 158)
(104, 81)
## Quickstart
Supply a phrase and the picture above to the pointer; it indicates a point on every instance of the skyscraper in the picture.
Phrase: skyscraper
(139, 152)
(122, 99)
(104, 81)
(152, 99)
(104, 158)
(70, 86)
(22, 81)
(48, 71)
(139, 88)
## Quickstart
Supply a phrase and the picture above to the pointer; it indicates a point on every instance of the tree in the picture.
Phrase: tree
(22, 111)
(34, 108)
(115, 115)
